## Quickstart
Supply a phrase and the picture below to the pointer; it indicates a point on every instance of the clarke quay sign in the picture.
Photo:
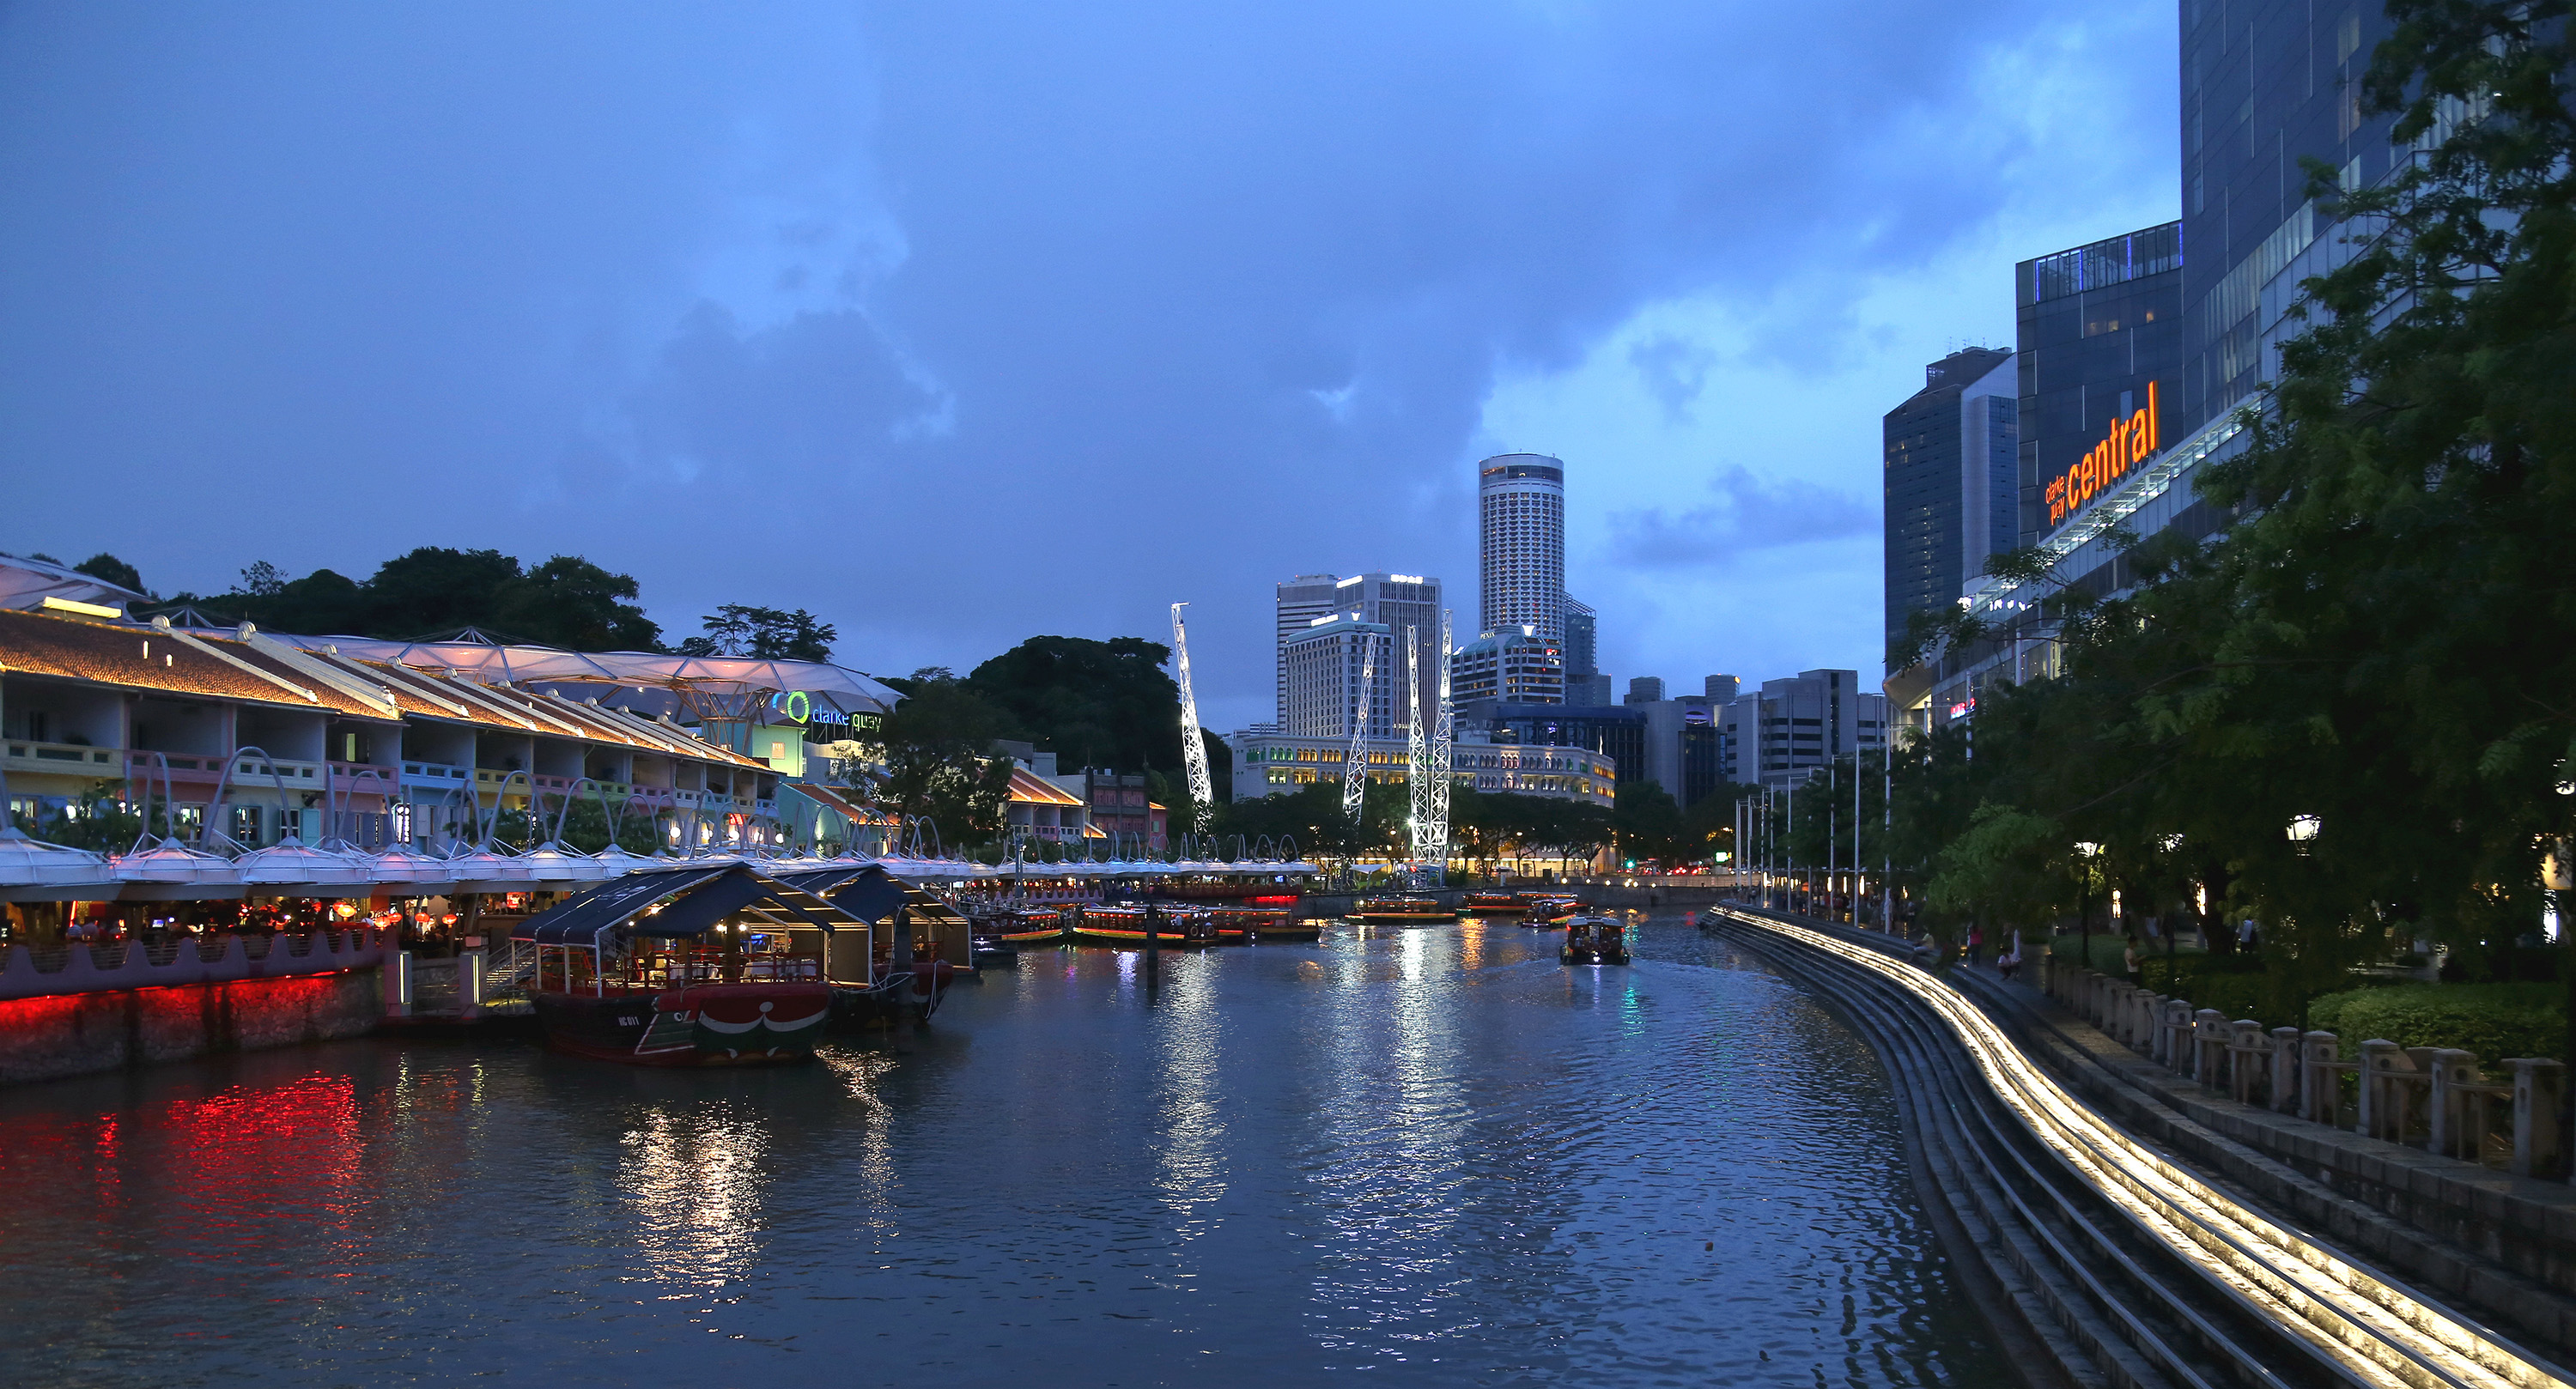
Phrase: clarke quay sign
(2131, 441)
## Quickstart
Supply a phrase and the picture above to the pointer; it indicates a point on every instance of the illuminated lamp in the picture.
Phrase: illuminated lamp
(447, 920)
(2303, 830)
(344, 910)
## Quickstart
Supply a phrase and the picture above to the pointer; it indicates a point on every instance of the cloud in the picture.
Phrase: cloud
(1750, 515)
(966, 321)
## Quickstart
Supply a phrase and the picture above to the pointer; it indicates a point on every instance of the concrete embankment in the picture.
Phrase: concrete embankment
(2103, 1254)
(77, 1034)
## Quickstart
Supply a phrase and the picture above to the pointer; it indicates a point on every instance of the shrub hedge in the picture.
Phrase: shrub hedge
(2493, 1020)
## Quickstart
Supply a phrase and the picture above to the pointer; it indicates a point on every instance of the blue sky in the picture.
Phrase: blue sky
(959, 323)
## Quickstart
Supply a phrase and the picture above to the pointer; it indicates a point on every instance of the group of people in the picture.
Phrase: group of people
(2007, 960)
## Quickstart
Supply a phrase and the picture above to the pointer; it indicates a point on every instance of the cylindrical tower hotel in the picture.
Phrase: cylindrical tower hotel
(1521, 513)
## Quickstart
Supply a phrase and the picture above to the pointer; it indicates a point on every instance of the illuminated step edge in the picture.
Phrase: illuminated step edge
(2374, 1328)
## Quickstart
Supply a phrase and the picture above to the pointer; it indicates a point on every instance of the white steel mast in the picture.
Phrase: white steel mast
(1193, 747)
(1355, 767)
(1417, 754)
(1443, 758)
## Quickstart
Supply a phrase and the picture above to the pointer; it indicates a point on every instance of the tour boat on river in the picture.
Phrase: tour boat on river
(1401, 910)
(1594, 939)
(683, 1008)
(1178, 929)
(1548, 910)
(1253, 925)
(1491, 902)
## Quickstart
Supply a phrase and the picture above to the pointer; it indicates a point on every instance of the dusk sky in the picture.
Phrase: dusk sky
(961, 322)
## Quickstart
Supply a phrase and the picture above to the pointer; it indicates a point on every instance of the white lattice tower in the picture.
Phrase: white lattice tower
(1355, 767)
(1193, 747)
(1443, 757)
(1417, 753)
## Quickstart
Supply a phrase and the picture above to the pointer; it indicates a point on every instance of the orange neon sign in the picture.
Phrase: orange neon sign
(2131, 441)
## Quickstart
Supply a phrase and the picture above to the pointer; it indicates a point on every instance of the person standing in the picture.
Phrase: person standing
(2129, 962)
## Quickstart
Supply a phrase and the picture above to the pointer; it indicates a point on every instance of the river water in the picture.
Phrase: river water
(1434, 1156)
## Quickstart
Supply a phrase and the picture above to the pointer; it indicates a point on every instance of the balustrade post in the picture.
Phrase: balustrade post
(2172, 1032)
(2321, 1061)
(2382, 1109)
(2536, 1083)
(2208, 1046)
(2242, 1048)
(2451, 1068)
(2115, 1008)
(2285, 1070)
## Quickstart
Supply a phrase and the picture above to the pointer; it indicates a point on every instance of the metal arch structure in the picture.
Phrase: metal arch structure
(1193, 746)
(1355, 766)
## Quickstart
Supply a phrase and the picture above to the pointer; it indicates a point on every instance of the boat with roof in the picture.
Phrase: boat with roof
(1401, 909)
(1594, 938)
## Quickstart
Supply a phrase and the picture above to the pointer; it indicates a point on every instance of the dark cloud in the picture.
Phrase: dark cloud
(955, 322)
(1749, 515)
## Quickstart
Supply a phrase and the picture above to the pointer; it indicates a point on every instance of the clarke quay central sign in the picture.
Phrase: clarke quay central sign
(2131, 441)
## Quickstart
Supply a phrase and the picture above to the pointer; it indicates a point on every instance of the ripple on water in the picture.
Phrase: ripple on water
(1434, 1155)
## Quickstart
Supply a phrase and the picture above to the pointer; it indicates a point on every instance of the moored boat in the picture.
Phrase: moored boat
(998, 933)
(1401, 909)
(1594, 939)
(1180, 929)
(1490, 902)
(1549, 909)
(1253, 925)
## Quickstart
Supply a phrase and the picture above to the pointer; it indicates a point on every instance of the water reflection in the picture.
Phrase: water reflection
(1433, 1153)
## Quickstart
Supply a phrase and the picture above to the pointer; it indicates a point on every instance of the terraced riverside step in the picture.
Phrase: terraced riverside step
(2110, 1259)
(2502, 1245)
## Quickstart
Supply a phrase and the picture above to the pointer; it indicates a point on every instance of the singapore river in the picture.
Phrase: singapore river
(1431, 1156)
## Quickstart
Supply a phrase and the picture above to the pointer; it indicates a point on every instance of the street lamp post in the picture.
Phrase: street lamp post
(2085, 850)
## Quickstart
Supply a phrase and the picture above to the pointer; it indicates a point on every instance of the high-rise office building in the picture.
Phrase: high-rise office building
(1404, 604)
(1303, 601)
(1399, 602)
(1952, 459)
(2099, 333)
(1329, 668)
(1582, 641)
(2265, 83)
(1786, 732)
(1514, 667)
(1520, 507)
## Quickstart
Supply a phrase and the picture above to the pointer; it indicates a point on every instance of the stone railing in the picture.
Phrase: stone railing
(2434, 1098)
(147, 964)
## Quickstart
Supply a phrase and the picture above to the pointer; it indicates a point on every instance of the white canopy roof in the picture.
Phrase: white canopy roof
(851, 690)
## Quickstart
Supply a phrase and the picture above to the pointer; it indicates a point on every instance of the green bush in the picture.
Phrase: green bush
(2493, 1020)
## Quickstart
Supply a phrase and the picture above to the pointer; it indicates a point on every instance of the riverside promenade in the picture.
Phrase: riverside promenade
(2102, 1252)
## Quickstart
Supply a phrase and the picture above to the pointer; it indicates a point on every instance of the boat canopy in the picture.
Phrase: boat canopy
(690, 901)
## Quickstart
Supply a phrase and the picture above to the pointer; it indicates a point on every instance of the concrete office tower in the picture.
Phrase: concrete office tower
(2266, 83)
(1323, 669)
(1952, 477)
(1644, 689)
(1720, 688)
(1520, 508)
(1399, 602)
(1514, 667)
(2099, 330)
(1790, 730)
(1302, 602)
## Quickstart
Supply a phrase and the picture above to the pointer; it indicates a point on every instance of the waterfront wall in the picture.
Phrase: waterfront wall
(61, 1035)
(1645, 898)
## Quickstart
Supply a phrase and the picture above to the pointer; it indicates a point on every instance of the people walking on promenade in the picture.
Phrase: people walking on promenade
(2129, 962)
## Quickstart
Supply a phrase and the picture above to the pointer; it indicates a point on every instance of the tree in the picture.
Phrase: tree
(1648, 824)
(764, 634)
(572, 603)
(432, 592)
(107, 568)
(940, 760)
(1095, 703)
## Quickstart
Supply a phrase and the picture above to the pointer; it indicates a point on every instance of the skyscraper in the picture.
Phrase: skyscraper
(1521, 544)
(1952, 460)
(1327, 666)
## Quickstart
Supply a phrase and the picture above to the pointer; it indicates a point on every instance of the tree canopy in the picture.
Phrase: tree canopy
(432, 591)
(1095, 703)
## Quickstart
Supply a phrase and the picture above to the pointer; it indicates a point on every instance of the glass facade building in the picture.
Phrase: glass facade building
(2099, 333)
(1951, 460)
(2265, 83)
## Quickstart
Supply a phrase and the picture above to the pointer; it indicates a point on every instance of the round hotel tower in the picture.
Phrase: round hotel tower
(1520, 504)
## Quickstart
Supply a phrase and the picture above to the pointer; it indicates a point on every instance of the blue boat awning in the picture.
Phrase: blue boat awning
(686, 902)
